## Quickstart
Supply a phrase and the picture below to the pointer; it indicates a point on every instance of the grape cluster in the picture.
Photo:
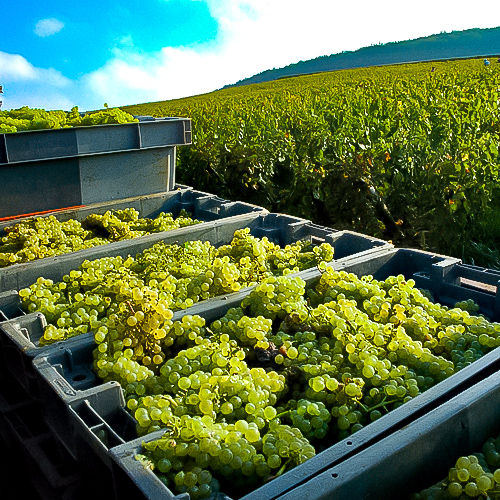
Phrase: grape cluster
(42, 237)
(468, 305)
(277, 297)
(473, 476)
(195, 449)
(180, 274)
(247, 331)
(311, 418)
(26, 118)
(288, 373)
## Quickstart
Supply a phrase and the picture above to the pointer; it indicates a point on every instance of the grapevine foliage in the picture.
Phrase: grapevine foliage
(396, 152)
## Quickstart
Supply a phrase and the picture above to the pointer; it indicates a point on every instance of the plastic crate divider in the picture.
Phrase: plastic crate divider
(96, 432)
(438, 272)
(280, 229)
(74, 400)
(231, 208)
(82, 376)
(138, 134)
(186, 201)
(10, 305)
(296, 229)
(208, 207)
(4, 153)
(132, 479)
(451, 282)
(314, 233)
(479, 274)
(30, 326)
(188, 134)
(349, 244)
(16, 343)
(497, 303)
(71, 414)
(156, 134)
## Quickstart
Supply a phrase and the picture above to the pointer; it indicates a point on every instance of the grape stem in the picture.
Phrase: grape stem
(282, 414)
(170, 399)
(322, 271)
(280, 472)
(379, 405)
(283, 467)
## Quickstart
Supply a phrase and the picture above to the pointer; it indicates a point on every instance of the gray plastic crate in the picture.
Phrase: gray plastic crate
(416, 456)
(49, 169)
(203, 206)
(132, 478)
(411, 263)
(20, 334)
(48, 470)
(281, 229)
(149, 132)
(86, 416)
(381, 461)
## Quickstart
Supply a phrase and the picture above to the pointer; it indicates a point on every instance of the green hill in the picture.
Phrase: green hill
(455, 45)
(398, 151)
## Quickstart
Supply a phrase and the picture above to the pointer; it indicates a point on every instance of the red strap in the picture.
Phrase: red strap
(39, 213)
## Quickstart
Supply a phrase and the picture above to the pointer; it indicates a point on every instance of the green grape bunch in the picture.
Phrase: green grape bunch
(288, 373)
(26, 118)
(472, 476)
(196, 451)
(144, 321)
(180, 274)
(41, 237)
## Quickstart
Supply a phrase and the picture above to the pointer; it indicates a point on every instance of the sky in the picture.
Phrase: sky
(56, 54)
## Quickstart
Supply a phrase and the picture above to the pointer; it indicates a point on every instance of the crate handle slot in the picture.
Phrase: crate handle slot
(101, 425)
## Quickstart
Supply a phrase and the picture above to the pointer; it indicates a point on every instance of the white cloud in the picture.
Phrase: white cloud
(126, 41)
(256, 35)
(27, 85)
(253, 36)
(15, 67)
(47, 27)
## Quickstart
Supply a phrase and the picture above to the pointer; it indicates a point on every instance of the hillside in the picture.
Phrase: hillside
(454, 45)
(398, 152)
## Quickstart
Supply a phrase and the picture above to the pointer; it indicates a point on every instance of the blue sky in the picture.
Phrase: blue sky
(56, 54)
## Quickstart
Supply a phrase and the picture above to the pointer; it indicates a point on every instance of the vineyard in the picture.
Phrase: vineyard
(409, 153)
(201, 347)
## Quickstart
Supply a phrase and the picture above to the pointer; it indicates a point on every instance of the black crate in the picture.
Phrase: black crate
(20, 334)
(36, 464)
(416, 456)
(411, 263)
